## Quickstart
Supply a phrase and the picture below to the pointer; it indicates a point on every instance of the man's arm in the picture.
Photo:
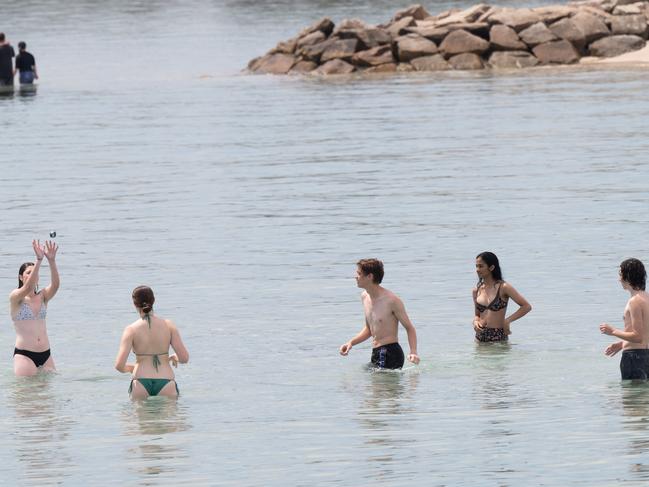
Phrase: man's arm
(635, 317)
(363, 335)
(399, 311)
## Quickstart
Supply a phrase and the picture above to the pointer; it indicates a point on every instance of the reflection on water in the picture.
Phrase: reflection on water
(151, 422)
(41, 428)
(635, 420)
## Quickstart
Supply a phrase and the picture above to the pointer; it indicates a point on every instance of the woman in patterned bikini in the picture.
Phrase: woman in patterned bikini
(150, 337)
(29, 309)
(490, 298)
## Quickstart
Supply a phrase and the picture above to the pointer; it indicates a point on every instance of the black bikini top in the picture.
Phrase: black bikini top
(496, 305)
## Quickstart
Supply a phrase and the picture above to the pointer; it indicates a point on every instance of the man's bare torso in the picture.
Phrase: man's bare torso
(642, 301)
(380, 317)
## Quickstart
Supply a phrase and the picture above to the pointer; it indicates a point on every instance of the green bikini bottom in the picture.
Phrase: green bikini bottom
(153, 386)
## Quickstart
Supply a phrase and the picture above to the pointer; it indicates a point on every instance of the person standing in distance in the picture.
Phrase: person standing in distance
(383, 313)
(634, 339)
(7, 54)
(25, 65)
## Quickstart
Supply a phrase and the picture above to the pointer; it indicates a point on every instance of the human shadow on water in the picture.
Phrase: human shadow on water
(40, 428)
(151, 422)
(635, 420)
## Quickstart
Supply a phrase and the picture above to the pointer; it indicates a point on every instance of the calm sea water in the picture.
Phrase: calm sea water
(245, 203)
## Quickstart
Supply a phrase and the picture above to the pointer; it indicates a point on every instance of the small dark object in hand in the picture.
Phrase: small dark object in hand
(52, 234)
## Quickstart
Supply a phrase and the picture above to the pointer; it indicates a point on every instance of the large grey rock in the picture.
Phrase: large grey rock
(398, 27)
(324, 25)
(285, 47)
(469, 15)
(373, 57)
(350, 24)
(460, 42)
(417, 12)
(632, 9)
(517, 19)
(537, 34)
(311, 39)
(551, 13)
(303, 67)
(367, 38)
(466, 61)
(434, 33)
(505, 38)
(592, 26)
(556, 52)
(274, 64)
(341, 49)
(335, 66)
(435, 62)
(567, 29)
(314, 53)
(630, 24)
(411, 46)
(512, 60)
(382, 68)
(616, 45)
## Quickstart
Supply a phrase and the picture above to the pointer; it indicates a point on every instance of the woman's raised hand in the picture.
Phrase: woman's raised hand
(38, 250)
(50, 250)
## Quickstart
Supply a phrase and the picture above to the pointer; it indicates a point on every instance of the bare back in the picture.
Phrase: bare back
(380, 317)
(636, 318)
(150, 342)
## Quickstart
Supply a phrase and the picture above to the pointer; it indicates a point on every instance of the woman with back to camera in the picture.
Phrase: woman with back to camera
(490, 297)
(28, 310)
(150, 337)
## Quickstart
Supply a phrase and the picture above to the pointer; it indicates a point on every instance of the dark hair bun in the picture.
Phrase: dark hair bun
(146, 307)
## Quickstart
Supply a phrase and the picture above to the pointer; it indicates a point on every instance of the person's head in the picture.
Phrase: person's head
(23, 273)
(22, 45)
(2, 36)
(633, 273)
(143, 298)
(486, 264)
(369, 270)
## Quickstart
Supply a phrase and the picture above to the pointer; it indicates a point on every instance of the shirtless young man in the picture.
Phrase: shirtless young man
(383, 312)
(634, 343)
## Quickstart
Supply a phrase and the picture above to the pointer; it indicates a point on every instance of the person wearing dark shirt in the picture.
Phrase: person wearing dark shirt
(7, 54)
(25, 65)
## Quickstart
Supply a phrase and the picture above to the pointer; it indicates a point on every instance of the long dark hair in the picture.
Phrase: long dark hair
(490, 259)
(20, 273)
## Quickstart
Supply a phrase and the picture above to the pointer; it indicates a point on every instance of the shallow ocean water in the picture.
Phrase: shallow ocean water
(245, 203)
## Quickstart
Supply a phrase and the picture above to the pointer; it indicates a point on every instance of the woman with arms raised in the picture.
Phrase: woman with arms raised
(150, 337)
(28, 311)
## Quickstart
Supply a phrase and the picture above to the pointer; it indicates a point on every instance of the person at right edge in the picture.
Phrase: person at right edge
(25, 65)
(634, 339)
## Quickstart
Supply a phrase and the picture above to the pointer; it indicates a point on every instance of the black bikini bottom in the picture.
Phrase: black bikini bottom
(491, 335)
(39, 358)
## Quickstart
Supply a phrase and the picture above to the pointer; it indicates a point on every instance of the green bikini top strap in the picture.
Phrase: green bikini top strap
(156, 359)
(148, 319)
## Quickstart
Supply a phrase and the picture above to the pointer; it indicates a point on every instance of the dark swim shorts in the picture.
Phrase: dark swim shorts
(491, 335)
(634, 364)
(387, 356)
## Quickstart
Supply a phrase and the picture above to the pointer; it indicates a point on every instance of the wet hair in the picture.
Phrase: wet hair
(490, 259)
(22, 269)
(22, 45)
(372, 266)
(2, 36)
(143, 298)
(633, 272)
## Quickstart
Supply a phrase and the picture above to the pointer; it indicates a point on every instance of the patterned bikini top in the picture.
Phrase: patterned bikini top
(496, 305)
(25, 312)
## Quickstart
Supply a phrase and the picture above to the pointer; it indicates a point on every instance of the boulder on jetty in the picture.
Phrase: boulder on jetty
(482, 36)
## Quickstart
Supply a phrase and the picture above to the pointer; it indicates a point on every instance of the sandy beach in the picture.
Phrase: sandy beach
(636, 57)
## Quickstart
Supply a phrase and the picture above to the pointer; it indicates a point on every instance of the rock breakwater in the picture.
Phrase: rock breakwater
(479, 37)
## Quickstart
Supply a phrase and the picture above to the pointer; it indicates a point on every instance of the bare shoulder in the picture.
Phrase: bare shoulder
(364, 295)
(13, 295)
(170, 324)
(393, 298)
(507, 288)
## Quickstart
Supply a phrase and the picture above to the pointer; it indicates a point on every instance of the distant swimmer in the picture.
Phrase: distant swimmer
(25, 65)
(634, 343)
(383, 313)
(150, 338)
(7, 54)
(490, 299)
(28, 311)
